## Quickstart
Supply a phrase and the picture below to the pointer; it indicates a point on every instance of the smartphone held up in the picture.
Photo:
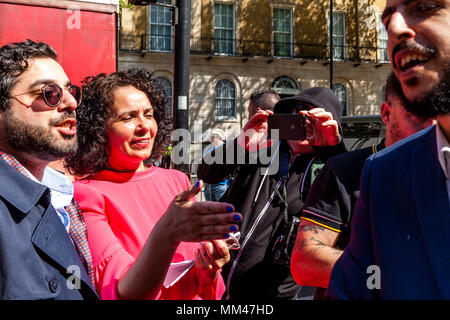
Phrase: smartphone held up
(289, 126)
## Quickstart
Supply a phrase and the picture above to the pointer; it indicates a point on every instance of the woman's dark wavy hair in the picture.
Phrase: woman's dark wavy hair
(94, 113)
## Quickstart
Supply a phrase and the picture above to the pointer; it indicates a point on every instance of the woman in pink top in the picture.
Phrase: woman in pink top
(144, 225)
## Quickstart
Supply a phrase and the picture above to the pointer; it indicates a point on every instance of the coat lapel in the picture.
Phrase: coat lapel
(433, 208)
(49, 235)
(22, 192)
(52, 239)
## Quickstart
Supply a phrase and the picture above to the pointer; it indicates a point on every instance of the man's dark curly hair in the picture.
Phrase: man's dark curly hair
(14, 61)
(94, 113)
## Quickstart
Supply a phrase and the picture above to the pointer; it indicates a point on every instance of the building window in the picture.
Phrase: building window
(168, 89)
(225, 100)
(382, 40)
(160, 27)
(285, 86)
(340, 90)
(282, 32)
(338, 35)
(224, 33)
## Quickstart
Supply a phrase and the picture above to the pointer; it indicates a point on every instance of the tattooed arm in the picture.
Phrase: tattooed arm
(313, 256)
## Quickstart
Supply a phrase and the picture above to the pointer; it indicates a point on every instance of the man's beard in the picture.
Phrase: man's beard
(434, 102)
(38, 140)
(394, 131)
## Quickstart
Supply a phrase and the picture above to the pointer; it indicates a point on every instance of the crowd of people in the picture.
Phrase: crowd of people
(366, 224)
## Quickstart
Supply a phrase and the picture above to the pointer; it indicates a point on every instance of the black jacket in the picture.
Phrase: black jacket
(36, 252)
(252, 272)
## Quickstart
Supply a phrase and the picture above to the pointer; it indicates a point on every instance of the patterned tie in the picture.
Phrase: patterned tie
(77, 230)
(78, 233)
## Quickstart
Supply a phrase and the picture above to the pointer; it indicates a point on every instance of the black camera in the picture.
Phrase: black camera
(289, 126)
(283, 246)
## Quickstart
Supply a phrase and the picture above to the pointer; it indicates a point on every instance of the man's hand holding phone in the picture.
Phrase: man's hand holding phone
(325, 128)
(318, 128)
(254, 135)
(314, 127)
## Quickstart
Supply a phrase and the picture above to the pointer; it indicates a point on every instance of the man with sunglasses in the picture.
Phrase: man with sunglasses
(37, 213)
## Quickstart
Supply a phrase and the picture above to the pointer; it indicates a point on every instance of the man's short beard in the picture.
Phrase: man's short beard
(434, 102)
(394, 131)
(37, 140)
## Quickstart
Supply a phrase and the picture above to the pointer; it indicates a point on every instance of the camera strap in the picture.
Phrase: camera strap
(265, 174)
(247, 238)
(284, 176)
(284, 162)
(284, 167)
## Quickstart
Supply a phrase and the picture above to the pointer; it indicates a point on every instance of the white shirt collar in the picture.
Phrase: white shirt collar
(61, 192)
(443, 148)
(58, 183)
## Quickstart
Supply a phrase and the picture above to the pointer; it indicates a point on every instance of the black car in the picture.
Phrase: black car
(362, 131)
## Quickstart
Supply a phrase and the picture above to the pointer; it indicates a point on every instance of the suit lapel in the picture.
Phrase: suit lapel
(49, 235)
(433, 209)
(52, 239)
(22, 192)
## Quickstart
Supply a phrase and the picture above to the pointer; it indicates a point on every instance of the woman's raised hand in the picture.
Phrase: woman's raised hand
(193, 221)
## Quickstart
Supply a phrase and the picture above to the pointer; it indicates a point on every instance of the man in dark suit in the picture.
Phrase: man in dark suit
(400, 229)
(37, 125)
(324, 229)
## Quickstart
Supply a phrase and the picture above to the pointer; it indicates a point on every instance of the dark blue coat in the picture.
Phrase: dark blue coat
(401, 224)
(35, 249)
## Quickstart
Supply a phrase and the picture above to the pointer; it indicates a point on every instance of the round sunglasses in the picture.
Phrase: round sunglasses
(52, 93)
